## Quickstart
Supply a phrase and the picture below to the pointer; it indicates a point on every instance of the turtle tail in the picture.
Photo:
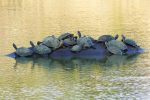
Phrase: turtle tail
(14, 45)
(32, 44)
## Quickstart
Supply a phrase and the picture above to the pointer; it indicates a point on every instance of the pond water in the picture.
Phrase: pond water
(116, 77)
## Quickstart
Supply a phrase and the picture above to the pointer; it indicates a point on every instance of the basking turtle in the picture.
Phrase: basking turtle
(106, 38)
(52, 42)
(80, 35)
(118, 44)
(76, 48)
(129, 42)
(113, 49)
(65, 36)
(40, 49)
(84, 41)
(22, 51)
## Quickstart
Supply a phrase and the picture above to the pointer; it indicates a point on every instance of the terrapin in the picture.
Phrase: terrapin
(129, 42)
(118, 44)
(106, 38)
(76, 48)
(40, 49)
(85, 41)
(52, 42)
(113, 49)
(65, 36)
(22, 51)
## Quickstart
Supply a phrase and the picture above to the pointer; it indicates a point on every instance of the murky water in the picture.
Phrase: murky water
(117, 77)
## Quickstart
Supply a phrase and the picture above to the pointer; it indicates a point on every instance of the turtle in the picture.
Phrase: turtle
(40, 49)
(118, 44)
(129, 42)
(76, 48)
(113, 49)
(22, 51)
(52, 42)
(65, 36)
(106, 38)
(85, 41)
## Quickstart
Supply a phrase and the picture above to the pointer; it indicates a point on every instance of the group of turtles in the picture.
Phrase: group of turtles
(76, 44)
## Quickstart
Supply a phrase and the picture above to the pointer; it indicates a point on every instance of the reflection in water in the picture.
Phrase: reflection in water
(118, 60)
(71, 63)
(70, 77)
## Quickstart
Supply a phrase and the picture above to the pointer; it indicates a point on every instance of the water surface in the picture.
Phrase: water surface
(116, 77)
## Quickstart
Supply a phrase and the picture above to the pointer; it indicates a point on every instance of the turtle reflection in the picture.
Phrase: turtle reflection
(118, 60)
(66, 63)
(72, 63)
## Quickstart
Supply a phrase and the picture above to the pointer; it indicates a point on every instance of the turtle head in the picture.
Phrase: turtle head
(14, 45)
(79, 34)
(116, 37)
(38, 43)
(123, 37)
(32, 44)
(70, 35)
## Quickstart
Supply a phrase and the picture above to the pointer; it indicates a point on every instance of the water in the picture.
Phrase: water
(117, 77)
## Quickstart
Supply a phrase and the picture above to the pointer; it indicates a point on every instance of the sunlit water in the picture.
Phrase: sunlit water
(117, 77)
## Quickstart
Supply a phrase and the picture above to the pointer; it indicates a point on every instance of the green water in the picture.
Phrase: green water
(113, 78)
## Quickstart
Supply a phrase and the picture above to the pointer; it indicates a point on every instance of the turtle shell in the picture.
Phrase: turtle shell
(85, 42)
(23, 52)
(69, 41)
(114, 50)
(118, 44)
(52, 42)
(76, 48)
(130, 42)
(42, 49)
(91, 38)
(64, 36)
(105, 38)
